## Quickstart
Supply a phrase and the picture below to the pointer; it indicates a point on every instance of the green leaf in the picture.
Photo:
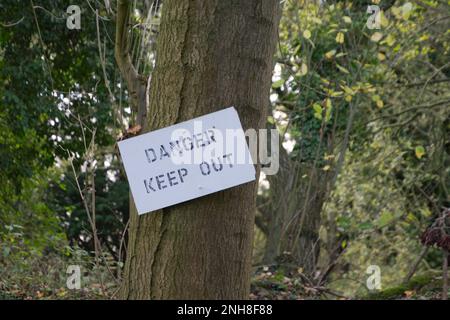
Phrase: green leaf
(317, 111)
(365, 225)
(420, 152)
(384, 219)
(278, 84)
(328, 113)
(342, 69)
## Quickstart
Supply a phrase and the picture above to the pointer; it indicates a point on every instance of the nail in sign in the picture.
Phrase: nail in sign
(187, 160)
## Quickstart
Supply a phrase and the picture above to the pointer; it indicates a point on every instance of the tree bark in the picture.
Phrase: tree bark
(211, 54)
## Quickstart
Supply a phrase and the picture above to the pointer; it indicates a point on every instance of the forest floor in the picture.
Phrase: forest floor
(294, 285)
(38, 281)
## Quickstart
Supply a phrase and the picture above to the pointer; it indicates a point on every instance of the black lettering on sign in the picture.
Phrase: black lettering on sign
(151, 155)
(163, 152)
(183, 144)
(217, 164)
(175, 146)
(172, 179)
(162, 181)
(217, 167)
(148, 185)
(204, 168)
(226, 158)
(212, 134)
(182, 173)
(189, 146)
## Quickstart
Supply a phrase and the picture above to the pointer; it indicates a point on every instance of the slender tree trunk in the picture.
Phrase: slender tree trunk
(282, 200)
(211, 54)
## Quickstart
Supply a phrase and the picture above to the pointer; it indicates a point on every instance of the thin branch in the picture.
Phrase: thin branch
(7, 25)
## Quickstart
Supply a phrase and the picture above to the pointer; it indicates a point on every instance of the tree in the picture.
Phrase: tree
(210, 55)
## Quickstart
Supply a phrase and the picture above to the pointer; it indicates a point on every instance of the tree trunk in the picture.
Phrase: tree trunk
(211, 54)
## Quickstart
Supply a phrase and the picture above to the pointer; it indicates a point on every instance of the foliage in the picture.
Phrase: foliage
(112, 203)
(365, 112)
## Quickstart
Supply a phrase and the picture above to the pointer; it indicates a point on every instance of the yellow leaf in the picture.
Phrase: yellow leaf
(406, 10)
(347, 19)
(303, 69)
(423, 38)
(384, 21)
(348, 98)
(326, 168)
(376, 37)
(336, 93)
(381, 56)
(380, 104)
(330, 54)
(325, 81)
(390, 40)
(307, 34)
(348, 90)
(342, 69)
(396, 12)
(340, 37)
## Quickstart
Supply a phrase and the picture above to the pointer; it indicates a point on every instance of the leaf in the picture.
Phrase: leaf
(340, 37)
(317, 108)
(317, 111)
(365, 225)
(303, 69)
(341, 54)
(380, 104)
(347, 19)
(389, 40)
(328, 113)
(376, 37)
(342, 69)
(384, 21)
(420, 152)
(381, 56)
(330, 54)
(409, 293)
(277, 84)
(384, 219)
(307, 34)
(406, 10)
(348, 90)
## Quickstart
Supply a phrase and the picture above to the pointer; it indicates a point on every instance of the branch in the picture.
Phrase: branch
(136, 83)
(424, 106)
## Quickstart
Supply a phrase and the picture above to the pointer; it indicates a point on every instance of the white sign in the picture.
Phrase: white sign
(187, 160)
